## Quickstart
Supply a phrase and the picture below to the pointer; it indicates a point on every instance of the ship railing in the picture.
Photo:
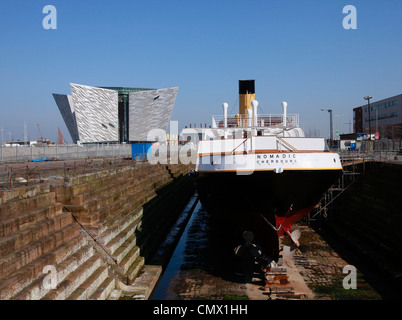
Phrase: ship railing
(286, 144)
(263, 120)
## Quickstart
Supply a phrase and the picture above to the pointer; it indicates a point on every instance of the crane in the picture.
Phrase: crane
(40, 136)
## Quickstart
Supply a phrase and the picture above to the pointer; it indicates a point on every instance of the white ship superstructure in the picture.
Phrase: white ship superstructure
(261, 170)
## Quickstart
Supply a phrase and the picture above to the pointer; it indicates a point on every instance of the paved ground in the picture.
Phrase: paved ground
(32, 172)
(322, 270)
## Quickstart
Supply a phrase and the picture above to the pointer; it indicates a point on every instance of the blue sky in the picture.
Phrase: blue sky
(296, 50)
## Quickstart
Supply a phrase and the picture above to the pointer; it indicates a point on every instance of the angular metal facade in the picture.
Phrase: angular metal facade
(91, 114)
(66, 107)
(149, 110)
(96, 112)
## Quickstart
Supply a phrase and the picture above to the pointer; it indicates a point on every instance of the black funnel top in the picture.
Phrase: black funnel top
(246, 85)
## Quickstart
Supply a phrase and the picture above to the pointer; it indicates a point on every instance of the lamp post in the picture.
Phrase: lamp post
(331, 137)
(368, 105)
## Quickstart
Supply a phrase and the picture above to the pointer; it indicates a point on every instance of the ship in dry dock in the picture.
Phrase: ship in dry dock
(261, 171)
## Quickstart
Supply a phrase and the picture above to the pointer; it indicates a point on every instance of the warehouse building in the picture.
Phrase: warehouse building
(382, 118)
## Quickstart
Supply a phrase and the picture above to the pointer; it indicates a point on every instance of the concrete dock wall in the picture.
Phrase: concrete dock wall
(76, 237)
(367, 218)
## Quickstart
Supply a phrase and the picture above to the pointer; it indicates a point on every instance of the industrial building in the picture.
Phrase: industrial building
(115, 114)
(382, 118)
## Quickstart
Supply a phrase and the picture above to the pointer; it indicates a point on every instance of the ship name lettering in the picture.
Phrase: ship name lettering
(276, 158)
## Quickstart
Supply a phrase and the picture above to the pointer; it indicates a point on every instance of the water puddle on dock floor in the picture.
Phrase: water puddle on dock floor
(203, 265)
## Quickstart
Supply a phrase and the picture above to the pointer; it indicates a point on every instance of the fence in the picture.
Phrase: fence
(387, 145)
(63, 152)
(376, 150)
(19, 168)
(5, 179)
(381, 145)
(374, 155)
(23, 174)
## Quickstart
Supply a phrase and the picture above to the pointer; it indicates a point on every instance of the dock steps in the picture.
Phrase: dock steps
(84, 230)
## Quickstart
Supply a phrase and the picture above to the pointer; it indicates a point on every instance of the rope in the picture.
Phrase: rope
(234, 105)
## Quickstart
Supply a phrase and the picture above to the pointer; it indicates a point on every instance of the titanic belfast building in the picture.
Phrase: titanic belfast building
(115, 114)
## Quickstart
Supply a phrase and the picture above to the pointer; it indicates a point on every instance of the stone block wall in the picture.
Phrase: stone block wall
(75, 238)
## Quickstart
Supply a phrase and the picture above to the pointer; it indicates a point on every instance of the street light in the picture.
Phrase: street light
(368, 105)
(331, 137)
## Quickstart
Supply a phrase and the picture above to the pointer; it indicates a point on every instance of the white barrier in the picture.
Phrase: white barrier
(63, 152)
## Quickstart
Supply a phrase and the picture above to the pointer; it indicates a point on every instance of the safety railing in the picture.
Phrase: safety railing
(23, 174)
(5, 180)
(27, 173)
(62, 152)
(374, 155)
(263, 120)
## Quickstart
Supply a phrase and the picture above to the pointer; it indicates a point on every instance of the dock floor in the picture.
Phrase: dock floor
(314, 271)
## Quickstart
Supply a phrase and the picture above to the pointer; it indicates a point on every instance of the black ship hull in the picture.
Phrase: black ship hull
(264, 200)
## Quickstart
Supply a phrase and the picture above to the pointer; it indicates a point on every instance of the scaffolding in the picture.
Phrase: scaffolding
(347, 179)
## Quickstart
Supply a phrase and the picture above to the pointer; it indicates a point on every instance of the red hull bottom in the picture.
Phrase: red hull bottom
(284, 224)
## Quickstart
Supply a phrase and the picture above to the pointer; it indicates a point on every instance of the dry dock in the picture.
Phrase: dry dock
(204, 266)
(359, 229)
(112, 227)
